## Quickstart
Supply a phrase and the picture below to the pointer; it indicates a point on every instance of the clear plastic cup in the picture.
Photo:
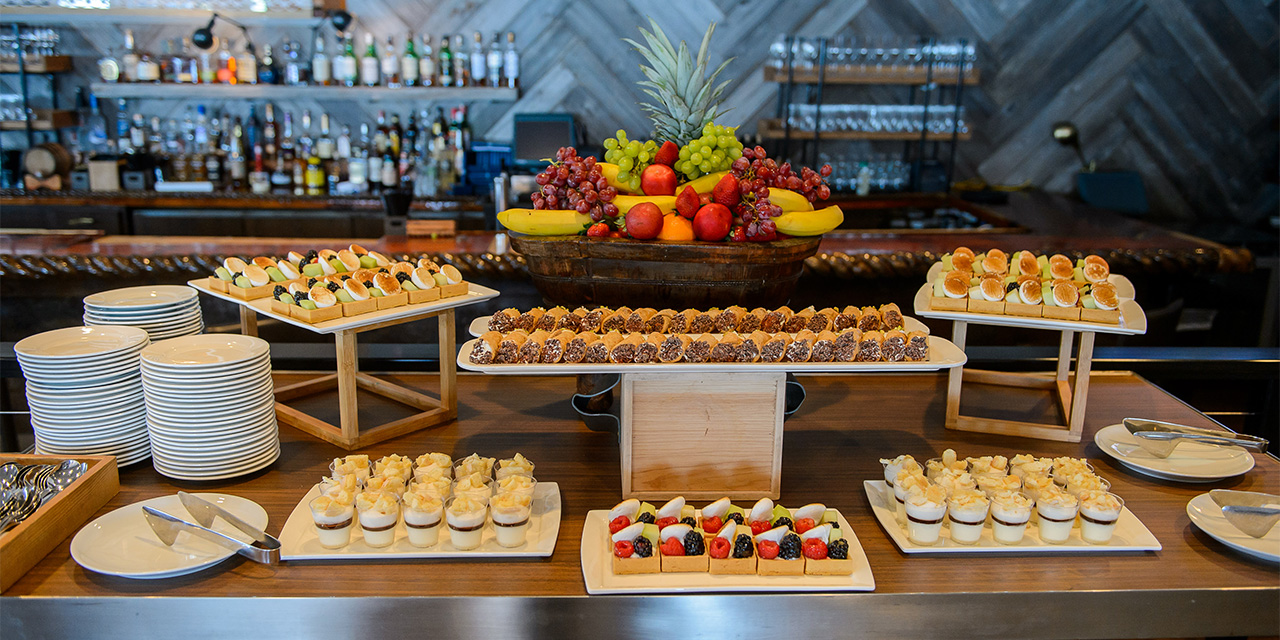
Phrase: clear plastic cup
(515, 483)
(377, 525)
(1009, 518)
(466, 525)
(1055, 519)
(475, 486)
(1098, 524)
(924, 522)
(510, 513)
(522, 467)
(422, 521)
(333, 521)
(967, 520)
(361, 473)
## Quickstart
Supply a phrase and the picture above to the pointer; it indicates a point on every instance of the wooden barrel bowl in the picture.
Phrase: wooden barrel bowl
(580, 271)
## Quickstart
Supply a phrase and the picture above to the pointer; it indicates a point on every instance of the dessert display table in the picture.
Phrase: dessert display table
(348, 379)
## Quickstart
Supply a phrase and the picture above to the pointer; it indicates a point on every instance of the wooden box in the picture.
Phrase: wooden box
(702, 436)
(25, 545)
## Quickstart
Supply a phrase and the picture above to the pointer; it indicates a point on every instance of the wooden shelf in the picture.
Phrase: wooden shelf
(43, 120)
(772, 129)
(886, 75)
(154, 91)
(48, 64)
(184, 17)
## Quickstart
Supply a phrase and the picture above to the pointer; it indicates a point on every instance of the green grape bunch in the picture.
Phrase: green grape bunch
(714, 151)
(631, 156)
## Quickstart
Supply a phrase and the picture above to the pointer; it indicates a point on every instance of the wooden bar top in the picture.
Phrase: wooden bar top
(834, 443)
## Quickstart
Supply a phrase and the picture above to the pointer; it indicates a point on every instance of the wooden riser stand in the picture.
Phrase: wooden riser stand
(1069, 389)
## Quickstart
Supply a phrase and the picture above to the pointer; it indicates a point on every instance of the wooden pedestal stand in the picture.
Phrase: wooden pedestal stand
(1070, 390)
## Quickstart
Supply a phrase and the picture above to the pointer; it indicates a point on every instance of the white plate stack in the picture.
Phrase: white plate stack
(163, 311)
(85, 392)
(210, 406)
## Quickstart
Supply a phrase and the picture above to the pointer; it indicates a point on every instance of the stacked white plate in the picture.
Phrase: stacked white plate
(163, 311)
(85, 392)
(210, 406)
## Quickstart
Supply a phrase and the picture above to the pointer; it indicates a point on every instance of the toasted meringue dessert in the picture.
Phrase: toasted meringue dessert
(992, 289)
(264, 262)
(963, 276)
(995, 264)
(362, 275)
(349, 259)
(428, 264)
(1104, 295)
(357, 249)
(356, 289)
(1096, 272)
(1060, 258)
(1061, 270)
(996, 253)
(296, 288)
(1065, 294)
(381, 259)
(1027, 263)
(962, 251)
(290, 272)
(387, 284)
(295, 257)
(257, 275)
(234, 264)
(326, 266)
(1030, 291)
(401, 267)
(327, 254)
(961, 262)
(955, 287)
(451, 274)
(322, 296)
(1095, 258)
(421, 277)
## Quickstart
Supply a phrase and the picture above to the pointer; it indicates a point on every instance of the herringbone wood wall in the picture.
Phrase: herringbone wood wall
(1183, 91)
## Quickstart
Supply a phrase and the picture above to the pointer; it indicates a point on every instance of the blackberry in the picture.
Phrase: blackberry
(646, 517)
(332, 286)
(693, 544)
(300, 296)
(402, 277)
(742, 546)
(275, 293)
(838, 549)
(689, 521)
(368, 284)
(790, 547)
(1010, 287)
(736, 517)
(310, 257)
(311, 282)
(784, 521)
(643, 547)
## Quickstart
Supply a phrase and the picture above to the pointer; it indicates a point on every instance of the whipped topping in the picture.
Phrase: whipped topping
(1086, 481)
(929, 497)
(1033, 486)
(1010, 507)
(464, 512)
(333, 486)
(474, 464)
(377, 508)
(514, 464)
(1034, 467)
(393, 484)
(423, 503)
(992, 484)
(893, 466)
(906, 481)
(510, 508)
(332, 510)
(951, 480)
(1057, 504)
(968, 505)
(434, 460)
(431, 474)
(438, 488)
(472, 482)
(351, 465)
(517, 484)
(1100, 505)
(988, 465)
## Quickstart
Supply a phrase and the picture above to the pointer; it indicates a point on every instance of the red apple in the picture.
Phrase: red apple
(712, 222)
(644, 221)
(658, 180)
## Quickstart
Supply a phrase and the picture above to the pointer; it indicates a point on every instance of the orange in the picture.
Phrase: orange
(675, 227)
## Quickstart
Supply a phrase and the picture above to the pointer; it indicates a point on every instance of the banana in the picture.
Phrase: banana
(624, 203)
(544, 222)
(789, 200)
(809, 223)
(610, 173)
(703, 184)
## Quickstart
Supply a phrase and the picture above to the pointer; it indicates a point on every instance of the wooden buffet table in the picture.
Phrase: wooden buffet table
(1193, 587)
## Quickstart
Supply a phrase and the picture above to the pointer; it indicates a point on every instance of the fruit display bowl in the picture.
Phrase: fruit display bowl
(579, 271)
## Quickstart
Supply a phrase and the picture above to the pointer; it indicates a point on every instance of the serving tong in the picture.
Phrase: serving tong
(265, 549)
(1251, 512)
(1161, 438)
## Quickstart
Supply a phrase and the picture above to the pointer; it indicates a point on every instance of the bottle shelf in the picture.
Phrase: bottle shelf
(772, 129)
(152, 91)
(47, 64)
(43, 120)
(158, 16)
(885, 75)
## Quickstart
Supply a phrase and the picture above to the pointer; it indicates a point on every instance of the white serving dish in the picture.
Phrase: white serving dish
(1189, 462)
(80, 344)
(1130, 534)
(139, 298)
(1133, 321)
(1207, 516)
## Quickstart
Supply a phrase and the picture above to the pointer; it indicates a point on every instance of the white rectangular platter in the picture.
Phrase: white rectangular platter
(475, 293)
(1124, 287)
(1133, 321)
(942, 355)
(597, 570)
(480, 326)
(1130, 534)
(299, 542)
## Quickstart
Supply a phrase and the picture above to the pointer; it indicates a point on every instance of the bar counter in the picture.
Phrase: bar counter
(1193, 587)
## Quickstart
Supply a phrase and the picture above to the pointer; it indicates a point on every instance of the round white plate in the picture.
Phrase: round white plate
(80, 424)
(208, 380)
(168, 316)
(87, 394)
(227, 440)
(178, 333)
(78, 342)
(199, 430)
(251, 467)
(182, 459)
(1207, 515)
(145, 297)
(149, 326)
(205, 351)
(1189, 462)
(106, 405)
(169, 309)
(71, 376)
(209, 394)
(121, 543)
(205, 411)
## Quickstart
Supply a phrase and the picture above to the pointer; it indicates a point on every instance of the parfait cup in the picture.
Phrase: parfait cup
(333, 521)
(422, 519)
(466, 518)
(924, 522)
(1009, 517)
(510, 513)
(1098, 517)
(378, 520)
(1056, 518)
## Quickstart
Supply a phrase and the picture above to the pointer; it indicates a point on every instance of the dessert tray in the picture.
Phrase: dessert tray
(1124, 287)
(1189, 462)
(475, 293)
(480, 326)
(299, 542)
(1133, 321)
(1130, 534)
(600, 578)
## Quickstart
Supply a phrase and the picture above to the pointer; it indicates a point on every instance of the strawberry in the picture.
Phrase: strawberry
(767, 549)
(712, 525)
(672, 547)
(720, 548)
(663, 523)
(624, 548)
(616, 234)
(704, 199)
(726, 191)
(814, 548)
(759, 526)
(619, 523)
(804, 524)
(687, 203)
(739, 234)
(598, 230)
(667, 154)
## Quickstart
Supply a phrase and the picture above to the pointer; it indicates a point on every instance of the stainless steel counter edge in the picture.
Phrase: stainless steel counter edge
(1078, 614)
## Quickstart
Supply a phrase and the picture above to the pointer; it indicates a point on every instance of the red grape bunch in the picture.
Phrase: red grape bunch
(570, 182)
(756, 173)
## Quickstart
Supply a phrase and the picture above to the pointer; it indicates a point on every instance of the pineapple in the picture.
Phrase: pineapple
(685, 100)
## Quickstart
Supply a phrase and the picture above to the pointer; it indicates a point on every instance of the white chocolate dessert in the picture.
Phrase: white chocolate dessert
(1033, 486)
(951, 481)
(1080, 482)
(510, 513)
(357, 465)
(967, 511)
(1057, 514)
(333, 486)
(429, 461)
(379, 512)
(466, 521)
(441, 488)
(1010, 513)
(1065, 467)
(520, 484)
(988, 465)
(990, 484)
(934, 466)
(394, 465)
(333, 517)
(891, 469)
(422, 515)
(1099, 513)
(473, 463)
(1025, 465)
(926, 510)
(389, 483)
(474, 486)
(516, 465)
(907, 480)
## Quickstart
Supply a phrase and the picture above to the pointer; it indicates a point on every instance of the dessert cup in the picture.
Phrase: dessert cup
(333, 521)
(473, 464)
(1057, 514)
(515, 483)
(1099, 513)
(1010, 513)
(351, 465)
(1066, 467)
(517, 465)
(379, 512)
(427, 464)
(465, 517)
(891, 469)
(441, 488)
(422, 516)
(926, 511)
(901, 487)
(475, 486)
(511, 513)
(967, 512)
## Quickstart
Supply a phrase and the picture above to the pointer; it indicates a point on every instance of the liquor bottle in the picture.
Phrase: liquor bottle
(226, 64)
(358, 165)
(148, 68)
(200, 133)
(324, 145)
(373, 168)
(306, 143)
(155, 138)
(320, 65)
(390, 171)
(268, 70)
(171, 64)
(461, 143)
(409, 63)
(252, 129)
(409, 143)
(390, 64)
(346, 69)
(426, 63)
(109, 68)
(395, 133)
(270, 134)
(93, 137)
(192, 73)
(511, 63)
(461, 63)
(342, 147)
(295, 70)
(208, 67)
(315, 176)
(479, 61)
(380, 135)
(495, 62)
(129, 59)
(123, 126)
(369, 63)
(235, 157)
(445, 67)
(138, 135)
(247, 65)
(259, 179)
(333, 177)
(282, 174)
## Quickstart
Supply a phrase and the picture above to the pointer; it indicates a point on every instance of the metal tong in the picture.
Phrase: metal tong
(1251, 512)
(265, 548)
(1161, 438)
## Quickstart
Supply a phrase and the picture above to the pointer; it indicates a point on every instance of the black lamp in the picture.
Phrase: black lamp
(1068, 135)
(203, 37)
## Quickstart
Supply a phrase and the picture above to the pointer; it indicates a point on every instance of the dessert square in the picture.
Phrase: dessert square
(280, 307)
(985, 306)
(316, 315)
(733, 566)
(252, 293)
(685, 564)
(1025, 310)
(1105, 316)
(218, 284)
(1062, 313)
(942, 303)
(393, 301)
(358, 307)
(451, 290)
(424, 295)
(633, 566)
(828, 567)
(777, 567)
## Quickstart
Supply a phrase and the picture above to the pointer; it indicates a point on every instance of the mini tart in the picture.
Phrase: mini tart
(1104, 295)
(379, 258)
(731, 565)
(961, 262)
(387, 284)
(1057, 308)
(349, 259)
(361, 302)
(427, 289)
(234, 265)
(455, 286)
(322, 296)
(327, 254)
(357, 249)
(264, 262)
(998, 254)
(296, 258)
(429, 265)
(955, 293)
(991, 298)
(1027, 264)
(289, 270)
(1096, 272)
(257, 275)
(995, 263)
(1061, 270)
